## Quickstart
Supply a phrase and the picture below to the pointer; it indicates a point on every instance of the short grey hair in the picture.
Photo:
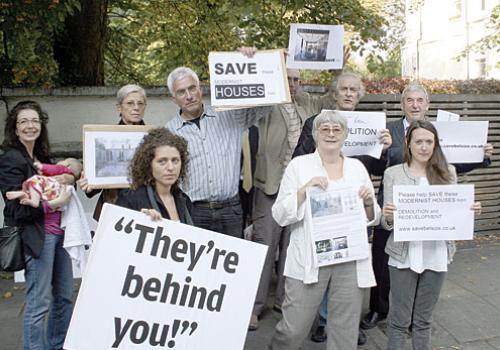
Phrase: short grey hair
(179, 73)
(335, 83)
(414, 87)
(128, 89)
(328, 117)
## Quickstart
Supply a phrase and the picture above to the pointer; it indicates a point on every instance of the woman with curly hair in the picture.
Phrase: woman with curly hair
(159, 163)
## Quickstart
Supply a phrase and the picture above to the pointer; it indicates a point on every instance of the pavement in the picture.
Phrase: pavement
(467, 316)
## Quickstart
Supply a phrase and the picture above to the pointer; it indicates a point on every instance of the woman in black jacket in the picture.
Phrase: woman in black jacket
(159, 163)
(48, 273)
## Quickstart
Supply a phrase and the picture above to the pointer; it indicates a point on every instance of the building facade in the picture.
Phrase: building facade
(438, 31)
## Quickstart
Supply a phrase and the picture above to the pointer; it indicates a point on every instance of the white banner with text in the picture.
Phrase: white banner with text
(463, 141)
(237, 81)
(164, 284)
(431, 213)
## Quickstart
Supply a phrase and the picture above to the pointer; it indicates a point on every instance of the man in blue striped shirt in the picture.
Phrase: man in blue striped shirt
(214, 145)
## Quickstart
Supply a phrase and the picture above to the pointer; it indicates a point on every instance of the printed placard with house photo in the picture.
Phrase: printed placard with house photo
(315, 46)
(107, 152)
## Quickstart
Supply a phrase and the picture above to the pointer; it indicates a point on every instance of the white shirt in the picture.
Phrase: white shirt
(424, 255)
(213, 170)
(299, 261)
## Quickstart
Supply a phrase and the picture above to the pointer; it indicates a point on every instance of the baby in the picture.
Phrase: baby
(44, 186)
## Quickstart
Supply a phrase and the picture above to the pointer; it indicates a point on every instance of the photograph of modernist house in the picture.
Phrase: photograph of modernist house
(311, 45)
(113, 156)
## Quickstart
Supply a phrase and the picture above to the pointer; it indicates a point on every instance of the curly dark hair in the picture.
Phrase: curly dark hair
(140, 171)
(437, 167)
(42, 148)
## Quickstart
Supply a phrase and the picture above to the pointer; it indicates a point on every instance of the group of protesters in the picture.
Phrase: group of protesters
(190, 171)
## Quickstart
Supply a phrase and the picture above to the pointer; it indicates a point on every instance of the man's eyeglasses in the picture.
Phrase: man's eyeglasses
(182, 93)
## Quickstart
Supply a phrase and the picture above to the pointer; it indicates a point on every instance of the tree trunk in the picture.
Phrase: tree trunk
(79, 49)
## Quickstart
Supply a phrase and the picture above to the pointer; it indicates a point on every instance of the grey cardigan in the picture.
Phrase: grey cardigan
(400, 175)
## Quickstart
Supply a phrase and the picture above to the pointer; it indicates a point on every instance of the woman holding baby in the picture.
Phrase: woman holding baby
(48, 271)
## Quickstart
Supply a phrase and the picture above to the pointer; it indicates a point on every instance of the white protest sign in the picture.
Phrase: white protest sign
(445, 116)
(316, 46)
(239, 81)
(463, 141)
(430, 213)
(107, 152)
(336, 220)
(362, 138)
(164, 285)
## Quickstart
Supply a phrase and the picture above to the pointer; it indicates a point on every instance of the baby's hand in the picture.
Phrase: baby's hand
(38, 166)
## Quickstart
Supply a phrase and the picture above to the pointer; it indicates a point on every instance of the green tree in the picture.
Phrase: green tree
(79, 48)
(27, 31)
(91, 42)
(383, 57)
(149, 38)
(490, 41)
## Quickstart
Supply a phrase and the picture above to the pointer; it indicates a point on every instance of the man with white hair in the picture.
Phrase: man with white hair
(347, 90)
(214, 145)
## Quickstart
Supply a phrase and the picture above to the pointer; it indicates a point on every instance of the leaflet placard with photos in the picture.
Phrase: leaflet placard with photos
(337, 222)
(316, 46)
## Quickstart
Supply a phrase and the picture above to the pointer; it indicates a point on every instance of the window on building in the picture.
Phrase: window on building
(456, 9)
(481, 67)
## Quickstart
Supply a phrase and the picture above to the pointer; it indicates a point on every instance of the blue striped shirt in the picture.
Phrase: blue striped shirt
(214, 149)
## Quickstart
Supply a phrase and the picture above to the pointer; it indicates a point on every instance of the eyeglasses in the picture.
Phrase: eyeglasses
(132, 104)
(182, 93)
(326, 130)
(25, 122)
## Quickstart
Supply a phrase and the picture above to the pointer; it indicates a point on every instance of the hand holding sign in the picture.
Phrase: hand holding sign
(168, 285)
(255, 78)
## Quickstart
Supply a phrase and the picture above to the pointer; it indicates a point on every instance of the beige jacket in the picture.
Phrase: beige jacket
(273, 144)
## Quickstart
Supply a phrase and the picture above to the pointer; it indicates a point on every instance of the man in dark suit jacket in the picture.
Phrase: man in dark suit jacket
(414, 103)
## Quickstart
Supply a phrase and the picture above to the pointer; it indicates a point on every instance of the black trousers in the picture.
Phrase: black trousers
(379, 295)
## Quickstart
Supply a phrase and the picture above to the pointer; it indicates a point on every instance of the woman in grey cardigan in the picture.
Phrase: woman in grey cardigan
(418, 268)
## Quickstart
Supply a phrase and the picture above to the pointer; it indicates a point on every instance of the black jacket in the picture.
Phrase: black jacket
(138, 199)
(16, 166)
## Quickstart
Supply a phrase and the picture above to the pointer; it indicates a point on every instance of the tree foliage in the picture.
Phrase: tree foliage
(150, 38)
(27, 31)
(144, 40)
(383, 58)
(490, 41)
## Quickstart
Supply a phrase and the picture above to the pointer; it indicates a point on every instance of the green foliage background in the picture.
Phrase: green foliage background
(146, 39)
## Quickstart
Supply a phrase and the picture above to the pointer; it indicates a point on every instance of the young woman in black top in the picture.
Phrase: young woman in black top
(159, 163)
